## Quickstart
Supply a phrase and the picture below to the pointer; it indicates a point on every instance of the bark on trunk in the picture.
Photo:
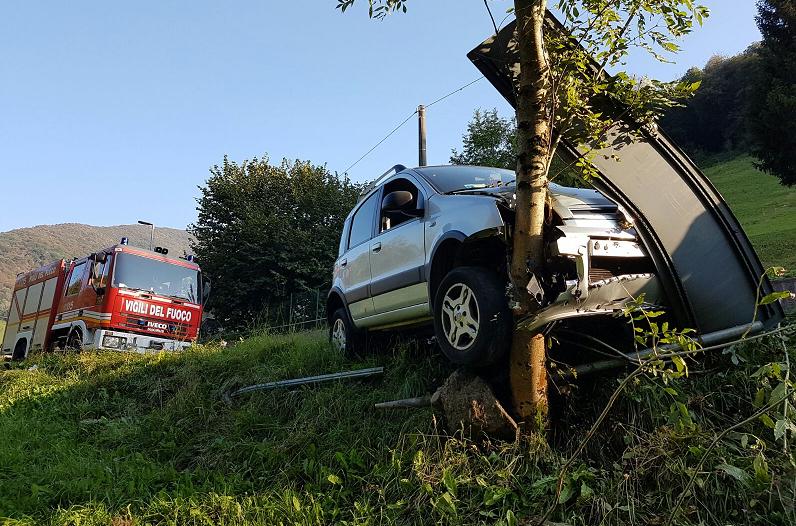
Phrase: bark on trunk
(527, 368)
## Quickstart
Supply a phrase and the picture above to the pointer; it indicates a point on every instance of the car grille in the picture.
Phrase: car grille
(139, 323)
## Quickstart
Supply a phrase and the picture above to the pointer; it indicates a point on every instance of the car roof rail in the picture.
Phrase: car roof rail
(394, 170)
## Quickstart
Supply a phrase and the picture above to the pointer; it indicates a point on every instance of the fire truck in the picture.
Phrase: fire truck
(120, 298)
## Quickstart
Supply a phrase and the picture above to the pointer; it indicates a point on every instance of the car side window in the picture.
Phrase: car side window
(362, 222)
(393, 218)
(75, 279)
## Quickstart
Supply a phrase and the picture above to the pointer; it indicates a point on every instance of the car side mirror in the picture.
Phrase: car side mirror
(400, 201)
(206, 286)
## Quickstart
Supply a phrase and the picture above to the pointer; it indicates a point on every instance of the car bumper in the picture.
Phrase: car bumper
(125, 341)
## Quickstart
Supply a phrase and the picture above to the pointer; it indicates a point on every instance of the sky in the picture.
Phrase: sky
(114, 112)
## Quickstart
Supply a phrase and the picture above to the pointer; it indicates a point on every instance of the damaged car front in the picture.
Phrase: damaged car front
(677, 240)
(595, 262)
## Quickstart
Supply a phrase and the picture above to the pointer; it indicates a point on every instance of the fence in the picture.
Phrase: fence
(303, 310)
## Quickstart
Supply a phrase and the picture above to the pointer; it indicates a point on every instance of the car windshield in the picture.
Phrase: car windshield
(454, 178)
(157, 277)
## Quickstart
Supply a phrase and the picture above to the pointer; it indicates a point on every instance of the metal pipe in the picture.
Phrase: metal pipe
(361, 373)
(405, 403)
(710, 339)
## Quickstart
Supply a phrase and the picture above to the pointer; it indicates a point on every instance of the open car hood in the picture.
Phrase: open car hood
(704, 261)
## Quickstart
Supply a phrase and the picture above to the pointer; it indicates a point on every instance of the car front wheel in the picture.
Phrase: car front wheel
(472, 320)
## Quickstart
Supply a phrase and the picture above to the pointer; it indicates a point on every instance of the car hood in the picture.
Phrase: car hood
(704, 260)
(573, 199)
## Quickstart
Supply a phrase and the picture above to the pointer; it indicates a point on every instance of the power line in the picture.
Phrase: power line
(381, 141)
(455, 91)
(407, 120)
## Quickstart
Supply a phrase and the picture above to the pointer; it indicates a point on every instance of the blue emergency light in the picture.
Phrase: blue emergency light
(124, 241)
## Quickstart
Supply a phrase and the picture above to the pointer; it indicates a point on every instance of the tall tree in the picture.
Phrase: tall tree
(489, 141)
(716, 118)
(264, 231)
(772, 113)
(562, 91)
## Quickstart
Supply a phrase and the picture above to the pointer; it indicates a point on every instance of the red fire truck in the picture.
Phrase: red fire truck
(120, 298)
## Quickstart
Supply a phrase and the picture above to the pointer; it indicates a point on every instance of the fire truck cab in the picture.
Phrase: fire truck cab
(119, 298)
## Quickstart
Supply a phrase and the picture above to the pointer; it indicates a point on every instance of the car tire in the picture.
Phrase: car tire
(344, 337)
(75, 341)
(19, 353)
(472, 319)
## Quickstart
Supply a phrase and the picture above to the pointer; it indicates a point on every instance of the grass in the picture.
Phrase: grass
(766, 209)
(123, 439)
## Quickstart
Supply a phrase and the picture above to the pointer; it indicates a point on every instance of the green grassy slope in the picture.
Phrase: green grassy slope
(123, 439)
(766, 209)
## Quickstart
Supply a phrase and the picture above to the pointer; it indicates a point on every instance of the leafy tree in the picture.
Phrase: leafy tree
(264, 231)
(561, 92)
(489, 141)
(715, 119)
(772, 114)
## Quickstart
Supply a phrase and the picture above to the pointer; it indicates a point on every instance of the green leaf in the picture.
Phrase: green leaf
(774, 296)
(735, 472)
(761, 469)
(585, 491)
(780, 428)
(779, 393)
(680, 364)
(566, 492)
(449, 481)
(334, 479)
(767, 421)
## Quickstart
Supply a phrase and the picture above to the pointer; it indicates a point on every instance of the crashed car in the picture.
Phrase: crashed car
(429, 246)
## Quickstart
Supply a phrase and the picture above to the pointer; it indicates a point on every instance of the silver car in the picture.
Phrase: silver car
(428, 246)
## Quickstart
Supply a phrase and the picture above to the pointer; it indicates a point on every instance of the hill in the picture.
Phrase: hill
(26, 248)
(765, 208)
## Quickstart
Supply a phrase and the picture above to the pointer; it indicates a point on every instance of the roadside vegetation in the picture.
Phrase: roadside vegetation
(108, 438)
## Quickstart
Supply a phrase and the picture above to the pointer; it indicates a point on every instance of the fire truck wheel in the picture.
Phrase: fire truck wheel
(19, 350)
(344, 337)
(75, 340)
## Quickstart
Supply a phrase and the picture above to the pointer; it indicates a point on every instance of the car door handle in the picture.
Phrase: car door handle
(376, 247)
(344, 263)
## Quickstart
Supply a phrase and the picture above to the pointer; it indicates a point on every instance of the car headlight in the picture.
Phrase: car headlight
(113, 342)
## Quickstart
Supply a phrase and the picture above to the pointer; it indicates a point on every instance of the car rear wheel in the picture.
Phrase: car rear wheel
(472, 320)
(343, 336)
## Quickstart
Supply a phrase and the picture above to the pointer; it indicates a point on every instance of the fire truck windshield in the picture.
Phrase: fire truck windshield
(157, 277)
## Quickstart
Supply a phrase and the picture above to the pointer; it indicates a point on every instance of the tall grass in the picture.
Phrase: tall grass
(106, 438)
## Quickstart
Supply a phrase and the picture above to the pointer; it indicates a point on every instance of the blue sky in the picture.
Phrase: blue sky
(112, 112)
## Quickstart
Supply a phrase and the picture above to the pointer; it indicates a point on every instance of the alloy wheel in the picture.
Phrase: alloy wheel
(460, 316)
(338, 335)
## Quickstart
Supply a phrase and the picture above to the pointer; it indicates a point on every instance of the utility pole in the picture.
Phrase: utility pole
(151, 233)
(421, 131)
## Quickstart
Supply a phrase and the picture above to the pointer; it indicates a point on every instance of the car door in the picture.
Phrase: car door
(355, 262)
(397, 258)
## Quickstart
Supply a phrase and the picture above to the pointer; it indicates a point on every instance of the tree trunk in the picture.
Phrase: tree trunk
(527, 368)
